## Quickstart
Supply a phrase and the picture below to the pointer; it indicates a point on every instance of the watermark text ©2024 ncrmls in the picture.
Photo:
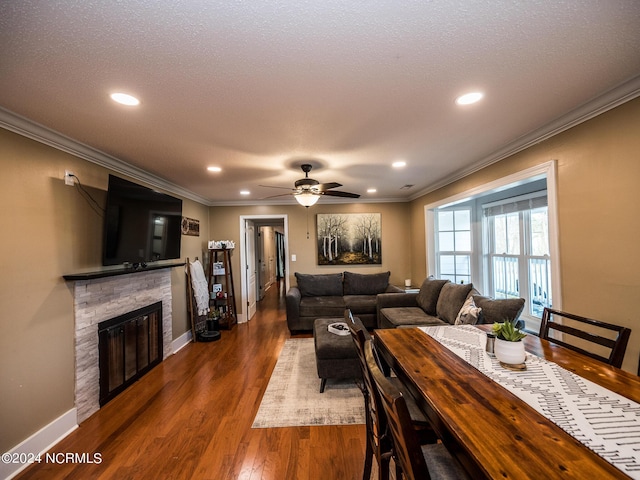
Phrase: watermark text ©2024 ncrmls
(52, 457)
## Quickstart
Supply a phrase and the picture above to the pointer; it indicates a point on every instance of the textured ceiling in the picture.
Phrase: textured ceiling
(257, 87)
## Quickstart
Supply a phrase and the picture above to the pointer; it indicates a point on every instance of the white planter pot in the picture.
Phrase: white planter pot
(511, 353)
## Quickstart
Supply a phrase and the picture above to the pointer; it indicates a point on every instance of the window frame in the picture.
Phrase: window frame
(547, 171)
(455, 252)
(525, 254)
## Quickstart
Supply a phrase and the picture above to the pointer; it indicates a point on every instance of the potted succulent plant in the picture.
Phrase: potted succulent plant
(508, 347)
(213, 319)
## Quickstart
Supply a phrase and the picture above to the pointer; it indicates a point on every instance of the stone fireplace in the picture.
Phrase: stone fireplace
(99, 299)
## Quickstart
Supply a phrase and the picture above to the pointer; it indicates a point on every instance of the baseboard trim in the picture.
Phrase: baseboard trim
(182, 341)
(40, 442)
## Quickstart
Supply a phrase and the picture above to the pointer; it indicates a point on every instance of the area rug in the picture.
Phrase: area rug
(293, 397)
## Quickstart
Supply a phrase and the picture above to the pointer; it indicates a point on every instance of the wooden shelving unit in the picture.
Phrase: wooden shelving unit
(221, 289)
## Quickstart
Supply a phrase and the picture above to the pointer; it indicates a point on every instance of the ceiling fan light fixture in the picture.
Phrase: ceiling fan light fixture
(307, 199)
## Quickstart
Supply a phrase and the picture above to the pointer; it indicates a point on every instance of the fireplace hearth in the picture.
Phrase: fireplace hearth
(129, 346)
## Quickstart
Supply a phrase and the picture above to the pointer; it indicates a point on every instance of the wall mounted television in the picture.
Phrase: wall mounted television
(141, 225)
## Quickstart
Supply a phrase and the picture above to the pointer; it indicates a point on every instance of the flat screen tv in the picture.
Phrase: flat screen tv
(141, 225)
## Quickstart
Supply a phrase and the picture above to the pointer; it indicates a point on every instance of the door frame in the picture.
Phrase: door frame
(242, 317)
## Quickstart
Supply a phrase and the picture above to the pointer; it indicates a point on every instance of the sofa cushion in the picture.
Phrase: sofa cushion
(319, 285)
(323, 306)
(365, 284)
(394, 317)
(451, 299)
(427, 298)
(361, 304)
(499, 310)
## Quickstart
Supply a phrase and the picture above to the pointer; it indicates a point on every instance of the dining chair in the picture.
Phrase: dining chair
(378, 439)
(415, 461)
(570, 327)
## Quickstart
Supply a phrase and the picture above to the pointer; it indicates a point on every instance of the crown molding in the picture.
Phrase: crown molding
(27, 128)
(601, 104)
(609, 100)
(322, 201)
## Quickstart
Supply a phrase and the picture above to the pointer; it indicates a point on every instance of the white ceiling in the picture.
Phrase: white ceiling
(258, 87)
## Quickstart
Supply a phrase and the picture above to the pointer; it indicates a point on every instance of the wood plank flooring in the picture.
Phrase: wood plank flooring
(191, 416)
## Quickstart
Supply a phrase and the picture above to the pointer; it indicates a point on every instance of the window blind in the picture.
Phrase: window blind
(515, 204)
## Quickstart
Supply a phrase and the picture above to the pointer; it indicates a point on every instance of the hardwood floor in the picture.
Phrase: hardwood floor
(191, 416)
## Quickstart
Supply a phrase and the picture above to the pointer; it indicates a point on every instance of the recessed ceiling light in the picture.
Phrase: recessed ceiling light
(214, 169)
(399, 164)
(469, 98)
(125, 99)
(245, 192)
(371, 190)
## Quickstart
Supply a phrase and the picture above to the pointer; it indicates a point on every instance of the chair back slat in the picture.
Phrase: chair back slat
(376, 422)
(617, 346)
(407, 451)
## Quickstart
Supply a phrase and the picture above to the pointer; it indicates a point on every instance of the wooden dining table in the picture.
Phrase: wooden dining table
(492, 432)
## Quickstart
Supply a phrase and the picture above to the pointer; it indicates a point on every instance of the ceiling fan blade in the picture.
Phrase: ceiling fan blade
(279, 195)
(337, 193)
(323, 187)
(273, 186)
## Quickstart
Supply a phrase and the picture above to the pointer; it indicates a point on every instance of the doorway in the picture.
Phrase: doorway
(263, 258)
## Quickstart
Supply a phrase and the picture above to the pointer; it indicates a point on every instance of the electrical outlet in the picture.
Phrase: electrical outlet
(68, 177)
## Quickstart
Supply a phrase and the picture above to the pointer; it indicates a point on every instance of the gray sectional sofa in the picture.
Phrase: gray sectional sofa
(439, 302)
(328, 295)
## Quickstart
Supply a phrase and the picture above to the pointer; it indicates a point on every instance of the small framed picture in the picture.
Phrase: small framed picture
(190, 226)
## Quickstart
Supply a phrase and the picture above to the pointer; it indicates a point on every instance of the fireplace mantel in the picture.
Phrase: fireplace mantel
(120, 270)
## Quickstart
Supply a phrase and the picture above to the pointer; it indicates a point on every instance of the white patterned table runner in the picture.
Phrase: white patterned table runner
(602, 420)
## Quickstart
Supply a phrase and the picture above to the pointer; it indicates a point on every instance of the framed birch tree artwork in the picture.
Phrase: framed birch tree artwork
(349, 238)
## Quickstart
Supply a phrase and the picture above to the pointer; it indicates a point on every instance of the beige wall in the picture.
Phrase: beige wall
(598, 169)
(396, 257)
(49, 229)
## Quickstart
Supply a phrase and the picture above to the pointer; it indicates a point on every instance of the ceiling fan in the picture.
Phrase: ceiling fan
(307, 190)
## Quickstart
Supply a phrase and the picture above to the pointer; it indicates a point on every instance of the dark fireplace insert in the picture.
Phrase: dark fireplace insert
(129, 346)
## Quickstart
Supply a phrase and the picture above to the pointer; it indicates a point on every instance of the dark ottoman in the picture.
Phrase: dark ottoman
(336, 355)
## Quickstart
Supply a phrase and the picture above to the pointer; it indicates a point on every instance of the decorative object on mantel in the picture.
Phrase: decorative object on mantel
(221, 244)
(508, 348)
(190, 226)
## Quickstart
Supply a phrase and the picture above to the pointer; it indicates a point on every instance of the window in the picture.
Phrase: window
(517, 255)
(513, 246)
(454, 244)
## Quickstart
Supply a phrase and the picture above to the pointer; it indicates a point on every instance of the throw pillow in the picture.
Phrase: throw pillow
(365, 283)
(497, 311)
(319, 285)
(427, 298)
(469, 313)
(451, 299)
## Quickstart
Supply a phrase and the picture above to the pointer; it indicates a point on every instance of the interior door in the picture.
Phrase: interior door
(262, 279)
(250, 255)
